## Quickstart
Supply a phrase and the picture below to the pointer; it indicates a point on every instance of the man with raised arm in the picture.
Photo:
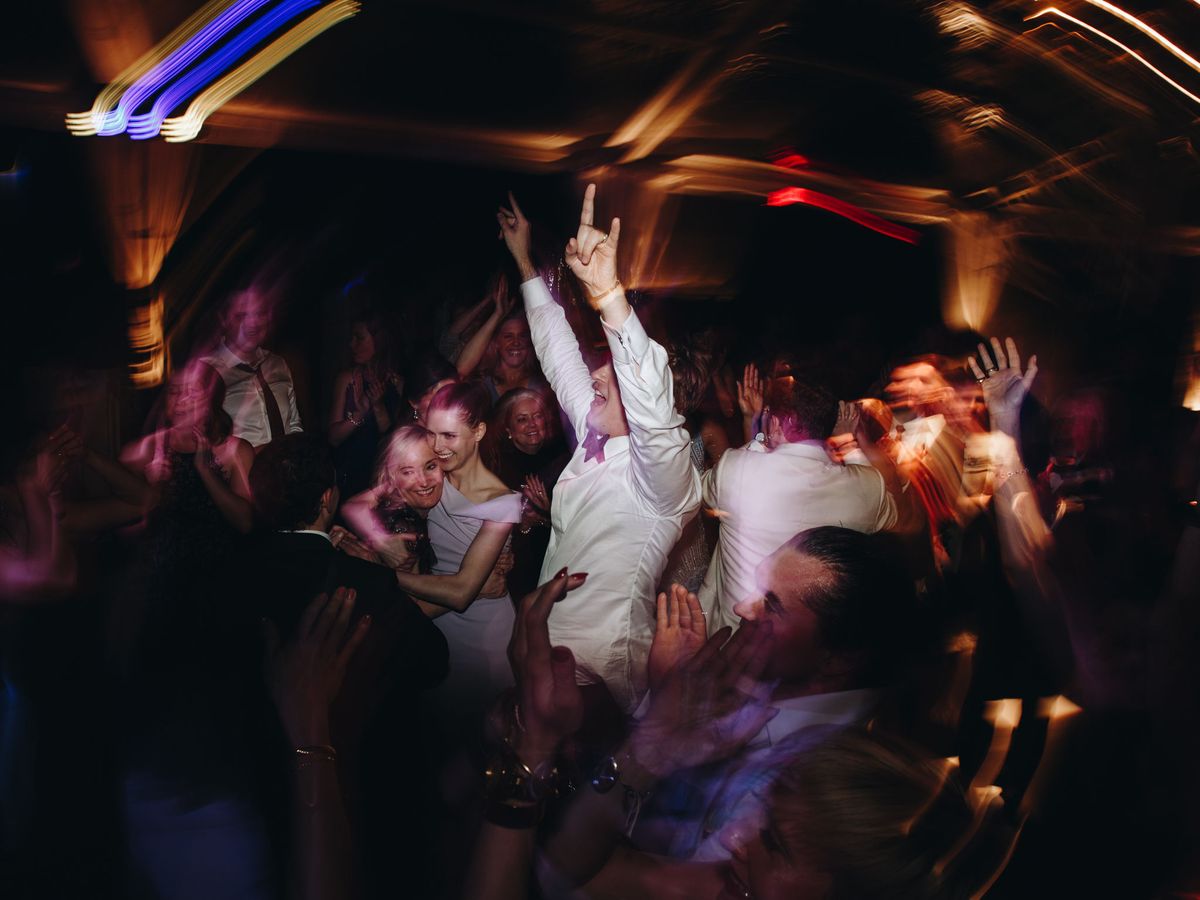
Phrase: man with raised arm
(622, 500)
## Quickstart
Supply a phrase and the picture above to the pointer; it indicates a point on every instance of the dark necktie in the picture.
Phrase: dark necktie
(274, 419)
(593, 445)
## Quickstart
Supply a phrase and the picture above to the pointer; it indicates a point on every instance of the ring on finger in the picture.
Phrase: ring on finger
(603, 239)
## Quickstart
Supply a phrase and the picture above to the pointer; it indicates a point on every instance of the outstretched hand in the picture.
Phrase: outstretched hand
(750, 392)
(592, 253)
(304, 676)
(1004, 387)
(550, 702)
(515, 232)
(679, 633)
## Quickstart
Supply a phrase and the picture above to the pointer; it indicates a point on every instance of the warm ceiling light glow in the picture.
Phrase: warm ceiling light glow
(792, 195)
(1054, 10)
(187, 126)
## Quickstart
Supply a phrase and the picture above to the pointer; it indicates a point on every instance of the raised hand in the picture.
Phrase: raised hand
(515, 231)
(549, 700)
(843, 438)
(679, 633)
(592, 253)
(750, 392)
(710, 705)
(1004, 387)
(305, 675)
(204, 456)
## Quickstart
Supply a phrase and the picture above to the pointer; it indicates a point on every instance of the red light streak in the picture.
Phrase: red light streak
(790, 195)
(792, 160)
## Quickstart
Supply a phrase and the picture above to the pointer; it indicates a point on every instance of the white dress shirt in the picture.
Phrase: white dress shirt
(244, 399)
(764, 498)
(618, 519)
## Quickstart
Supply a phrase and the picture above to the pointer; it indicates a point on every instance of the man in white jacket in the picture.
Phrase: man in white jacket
(622, 501)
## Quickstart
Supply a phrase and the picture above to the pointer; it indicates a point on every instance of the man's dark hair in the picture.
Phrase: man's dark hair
(288, 478)
(802, 406)
(865, 604)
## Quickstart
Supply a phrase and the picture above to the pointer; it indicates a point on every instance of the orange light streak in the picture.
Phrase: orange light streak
(1145, 29)
(1054, 10)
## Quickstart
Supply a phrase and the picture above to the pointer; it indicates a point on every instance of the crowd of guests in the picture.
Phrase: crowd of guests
(529, 618)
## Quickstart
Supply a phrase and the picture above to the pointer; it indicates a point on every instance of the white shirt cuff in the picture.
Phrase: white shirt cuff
(535, 292)
(629, 343)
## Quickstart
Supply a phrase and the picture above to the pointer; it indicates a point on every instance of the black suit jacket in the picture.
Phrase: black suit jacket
(403, 648)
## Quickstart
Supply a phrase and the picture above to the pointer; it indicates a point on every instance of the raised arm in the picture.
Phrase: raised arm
(661, 469)
(474, 349)
(553, 340)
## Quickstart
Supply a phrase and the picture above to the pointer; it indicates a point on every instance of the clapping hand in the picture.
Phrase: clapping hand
(534, 490)
(1004, 387)
(709, 705)
(750, 392)
(592, 253)
(680, 632)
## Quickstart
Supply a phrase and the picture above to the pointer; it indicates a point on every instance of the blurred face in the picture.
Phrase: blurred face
(765, 868)
(427, 398)
(512, 342)
(417, 477)
(247, 322)
(454, 441)
(918, 387)
(362, 345)
(607, 415)
(796, 652)
(187, 400)
(527, 425)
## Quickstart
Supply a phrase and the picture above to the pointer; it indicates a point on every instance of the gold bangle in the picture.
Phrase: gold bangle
(597, 300)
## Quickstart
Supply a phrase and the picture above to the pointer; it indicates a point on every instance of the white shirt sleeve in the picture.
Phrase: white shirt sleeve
(660, 456)
(558, 353)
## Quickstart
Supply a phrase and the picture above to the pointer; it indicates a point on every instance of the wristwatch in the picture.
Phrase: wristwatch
(608, 775)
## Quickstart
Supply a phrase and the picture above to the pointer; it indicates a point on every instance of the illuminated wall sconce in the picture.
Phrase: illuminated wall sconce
(182, 67)
(147, 341)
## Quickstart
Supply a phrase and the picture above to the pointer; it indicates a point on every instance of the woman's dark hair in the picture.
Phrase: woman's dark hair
(423, 373)
(691, 371)
(380, 329)
(469, 399)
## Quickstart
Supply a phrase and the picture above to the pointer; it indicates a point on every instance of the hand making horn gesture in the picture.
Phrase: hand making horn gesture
(592, 254)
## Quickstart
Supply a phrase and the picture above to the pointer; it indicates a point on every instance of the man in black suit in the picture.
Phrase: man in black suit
(382, 762)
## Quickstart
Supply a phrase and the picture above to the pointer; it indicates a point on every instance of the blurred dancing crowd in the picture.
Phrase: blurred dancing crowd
(535, 615)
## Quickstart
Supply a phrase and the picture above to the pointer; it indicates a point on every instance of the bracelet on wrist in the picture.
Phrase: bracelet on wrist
(314, 753)
(604, 297)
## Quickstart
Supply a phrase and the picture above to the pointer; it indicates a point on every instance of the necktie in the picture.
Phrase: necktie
(593, 445)
(274, 419)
